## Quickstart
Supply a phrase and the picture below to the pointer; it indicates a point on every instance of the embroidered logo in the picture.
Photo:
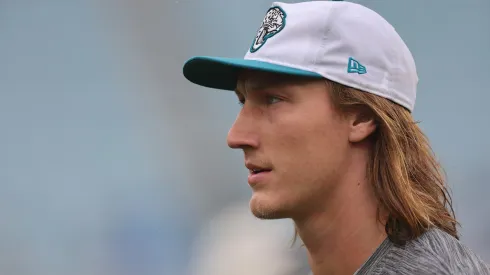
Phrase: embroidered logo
(273, 23)
(355, 67)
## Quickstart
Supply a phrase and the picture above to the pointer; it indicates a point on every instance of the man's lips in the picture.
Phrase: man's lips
(255, 168)
(257, 173)
(260, 177)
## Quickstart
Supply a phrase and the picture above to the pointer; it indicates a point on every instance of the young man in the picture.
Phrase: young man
(327, 133)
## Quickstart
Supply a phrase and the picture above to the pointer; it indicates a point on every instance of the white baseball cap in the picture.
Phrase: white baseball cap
(337, 40)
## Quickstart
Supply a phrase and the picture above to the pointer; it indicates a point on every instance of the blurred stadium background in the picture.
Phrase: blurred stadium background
(111, 163)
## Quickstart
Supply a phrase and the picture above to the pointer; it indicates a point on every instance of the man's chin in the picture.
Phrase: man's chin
(267, 211)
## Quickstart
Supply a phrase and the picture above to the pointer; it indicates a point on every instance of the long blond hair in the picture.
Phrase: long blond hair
(407, 179)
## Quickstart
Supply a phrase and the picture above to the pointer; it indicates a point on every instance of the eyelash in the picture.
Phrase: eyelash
(268, 98)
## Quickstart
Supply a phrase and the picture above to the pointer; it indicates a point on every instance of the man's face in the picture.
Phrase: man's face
(294, 142)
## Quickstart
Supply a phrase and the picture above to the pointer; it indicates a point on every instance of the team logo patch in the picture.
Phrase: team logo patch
(273, 23)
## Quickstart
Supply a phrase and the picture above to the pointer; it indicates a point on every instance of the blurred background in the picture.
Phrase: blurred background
(112, 163)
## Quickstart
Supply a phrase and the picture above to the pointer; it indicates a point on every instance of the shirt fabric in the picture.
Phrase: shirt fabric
(434, 252)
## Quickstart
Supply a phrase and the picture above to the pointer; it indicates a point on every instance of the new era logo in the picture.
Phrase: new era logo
(355, 67)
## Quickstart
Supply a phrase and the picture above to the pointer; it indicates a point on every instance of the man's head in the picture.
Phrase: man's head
(297, 144)
(327, 93)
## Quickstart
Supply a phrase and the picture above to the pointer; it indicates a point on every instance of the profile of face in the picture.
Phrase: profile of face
(296, 144)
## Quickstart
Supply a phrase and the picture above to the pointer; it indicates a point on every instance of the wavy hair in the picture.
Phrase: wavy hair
(407, 179)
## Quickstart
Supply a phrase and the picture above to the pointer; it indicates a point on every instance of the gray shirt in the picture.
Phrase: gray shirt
(435, 252)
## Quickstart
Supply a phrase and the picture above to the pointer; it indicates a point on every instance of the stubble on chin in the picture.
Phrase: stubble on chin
(265, 212)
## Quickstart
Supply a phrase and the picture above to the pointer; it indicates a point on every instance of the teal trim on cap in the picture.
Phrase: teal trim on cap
(222, 73)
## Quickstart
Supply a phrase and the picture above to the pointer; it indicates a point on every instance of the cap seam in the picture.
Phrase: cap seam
(324, 38)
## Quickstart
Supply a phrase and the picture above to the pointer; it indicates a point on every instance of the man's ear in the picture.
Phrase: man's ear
(362, 124)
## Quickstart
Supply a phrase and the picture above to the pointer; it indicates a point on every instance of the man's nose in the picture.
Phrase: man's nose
(244, 131)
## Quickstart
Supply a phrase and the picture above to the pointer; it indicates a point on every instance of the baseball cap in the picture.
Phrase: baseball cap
(341, 41)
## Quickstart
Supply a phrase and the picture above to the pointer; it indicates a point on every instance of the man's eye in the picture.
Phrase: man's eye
(273, 99)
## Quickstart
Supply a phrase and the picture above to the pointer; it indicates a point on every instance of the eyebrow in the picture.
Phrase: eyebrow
(261, 82)
(257, 85)
(247, 84)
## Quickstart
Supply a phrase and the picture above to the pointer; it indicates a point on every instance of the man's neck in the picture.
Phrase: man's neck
(345, 232)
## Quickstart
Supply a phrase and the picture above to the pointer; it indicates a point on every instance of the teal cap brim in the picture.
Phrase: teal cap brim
(222, 73)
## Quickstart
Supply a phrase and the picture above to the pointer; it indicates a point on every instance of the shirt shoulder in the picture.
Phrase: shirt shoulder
(435, 252)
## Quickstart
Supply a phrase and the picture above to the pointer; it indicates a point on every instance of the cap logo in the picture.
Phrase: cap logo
(273, 23)
(355, 67)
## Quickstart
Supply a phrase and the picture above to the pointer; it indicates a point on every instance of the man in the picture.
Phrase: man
(327, 90)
